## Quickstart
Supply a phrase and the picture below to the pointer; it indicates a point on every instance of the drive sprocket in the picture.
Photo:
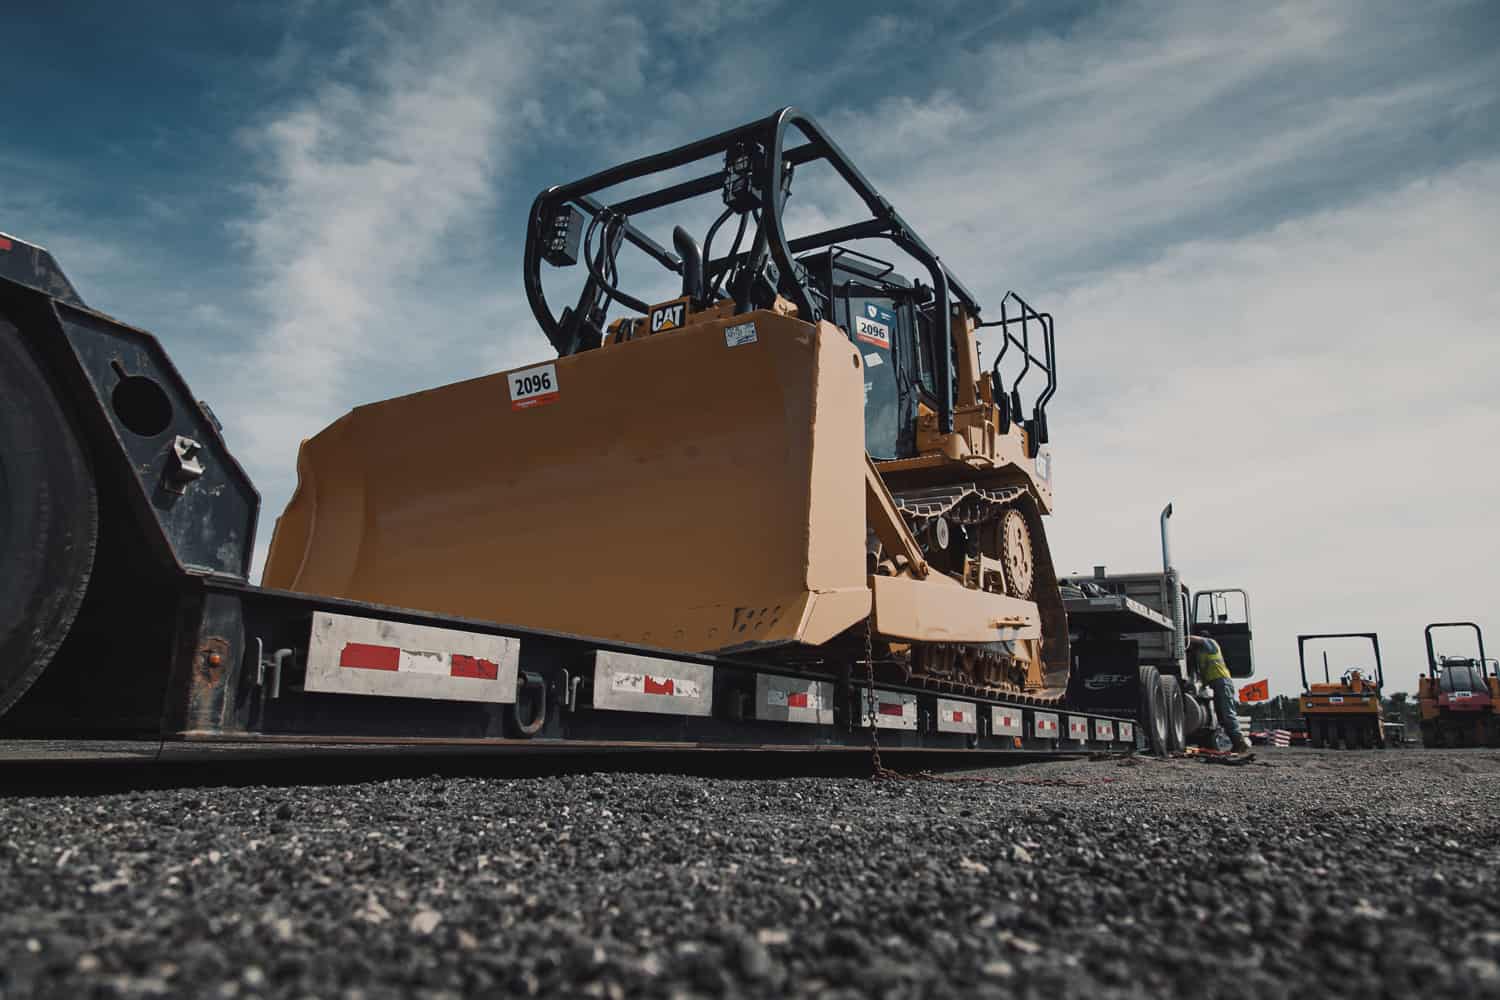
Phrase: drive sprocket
(1016, 554)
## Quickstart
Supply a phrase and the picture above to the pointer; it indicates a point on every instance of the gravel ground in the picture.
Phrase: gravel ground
(1325, 873)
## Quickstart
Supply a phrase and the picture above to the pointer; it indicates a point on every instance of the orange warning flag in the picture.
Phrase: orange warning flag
(1259, 691)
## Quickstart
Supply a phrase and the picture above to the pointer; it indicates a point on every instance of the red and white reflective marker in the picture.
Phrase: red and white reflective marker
(957, 716)
(893, 710)
(1078, 728)
(1127, 731)
(793, 699)
(1044, 724)
(366, 656)
(1104, 730)
(1006, 721)
(373, 656)
(629, 682)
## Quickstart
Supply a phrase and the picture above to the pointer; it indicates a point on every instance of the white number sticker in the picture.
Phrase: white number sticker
(533, 387)
(872, 332)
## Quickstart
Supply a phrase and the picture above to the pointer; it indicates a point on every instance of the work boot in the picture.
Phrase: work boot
(1241, 745)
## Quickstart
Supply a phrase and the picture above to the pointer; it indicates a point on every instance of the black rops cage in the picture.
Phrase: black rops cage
(754, 179)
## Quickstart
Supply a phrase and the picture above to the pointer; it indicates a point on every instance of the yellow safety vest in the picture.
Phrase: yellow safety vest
(1209, 662)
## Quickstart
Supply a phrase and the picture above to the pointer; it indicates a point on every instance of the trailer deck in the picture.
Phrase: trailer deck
(264, 672)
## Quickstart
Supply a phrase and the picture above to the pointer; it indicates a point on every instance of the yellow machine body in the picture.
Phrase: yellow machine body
(701, 489)
(694, 475)
(1359, 696)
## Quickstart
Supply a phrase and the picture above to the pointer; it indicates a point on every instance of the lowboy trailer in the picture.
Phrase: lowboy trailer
(813, 520)
(128, 531)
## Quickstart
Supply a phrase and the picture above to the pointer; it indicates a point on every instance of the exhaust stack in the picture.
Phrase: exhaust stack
(1174, 588)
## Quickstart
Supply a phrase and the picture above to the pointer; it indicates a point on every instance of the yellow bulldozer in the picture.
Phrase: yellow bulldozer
(790, 449)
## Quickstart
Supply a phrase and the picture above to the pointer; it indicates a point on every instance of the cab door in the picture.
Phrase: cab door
(1224, 616)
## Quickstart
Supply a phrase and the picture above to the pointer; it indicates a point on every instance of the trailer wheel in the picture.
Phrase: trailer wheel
(48, 520)
(1196, 720)
(1176, 724)
(1154, 711)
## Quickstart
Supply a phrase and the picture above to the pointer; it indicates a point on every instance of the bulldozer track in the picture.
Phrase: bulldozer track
(985, 670)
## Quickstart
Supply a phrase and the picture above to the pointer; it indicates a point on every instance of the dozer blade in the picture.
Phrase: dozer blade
(694, 490)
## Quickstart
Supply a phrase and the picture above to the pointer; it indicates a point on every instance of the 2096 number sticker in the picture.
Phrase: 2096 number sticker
(533, 387)
(874, 324)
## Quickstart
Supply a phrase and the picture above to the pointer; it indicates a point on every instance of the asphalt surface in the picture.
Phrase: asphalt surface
(1319, 873)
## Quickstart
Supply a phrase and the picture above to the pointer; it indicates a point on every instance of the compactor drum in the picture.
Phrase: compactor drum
(791, 449)
(1460, 696)
(1345, 714)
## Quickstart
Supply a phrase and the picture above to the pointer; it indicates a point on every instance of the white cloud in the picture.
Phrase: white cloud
(363, 190)
(1060, 153)
(1319, 402)
(369, 233)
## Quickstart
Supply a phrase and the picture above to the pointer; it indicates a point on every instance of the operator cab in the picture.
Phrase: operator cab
(1462, 675)
(888, 319)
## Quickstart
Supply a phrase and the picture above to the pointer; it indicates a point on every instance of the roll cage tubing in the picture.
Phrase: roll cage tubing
(1012, 408)
(770, 133)
(1431, 653)
(1302, 641)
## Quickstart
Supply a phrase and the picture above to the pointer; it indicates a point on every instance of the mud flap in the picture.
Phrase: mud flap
(1106, 677)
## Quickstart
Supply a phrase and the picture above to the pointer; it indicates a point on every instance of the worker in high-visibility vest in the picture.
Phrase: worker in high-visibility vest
(1207, 660)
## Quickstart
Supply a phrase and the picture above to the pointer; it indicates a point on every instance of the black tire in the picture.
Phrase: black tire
(1154, 711)
(1176, 736)
(1197, 721)
(49, 520)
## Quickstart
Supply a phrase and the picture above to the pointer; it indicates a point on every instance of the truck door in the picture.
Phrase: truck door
(1224, 616)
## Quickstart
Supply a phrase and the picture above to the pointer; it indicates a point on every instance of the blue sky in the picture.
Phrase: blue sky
(1268, 231)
